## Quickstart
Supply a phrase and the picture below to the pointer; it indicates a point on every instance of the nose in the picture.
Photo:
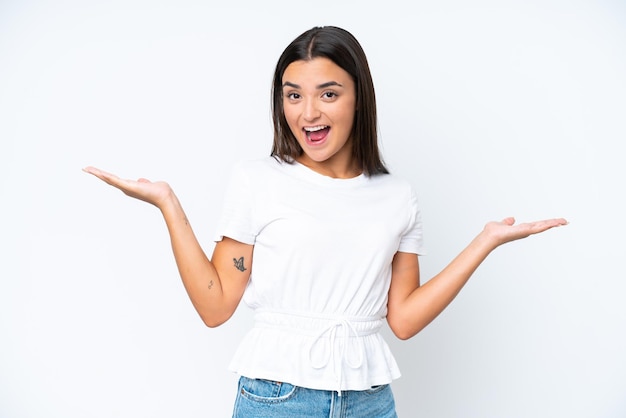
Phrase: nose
(311, 110)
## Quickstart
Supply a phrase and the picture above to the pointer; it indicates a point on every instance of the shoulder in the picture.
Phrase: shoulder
(391, 182)
(260, 172)
(255, 167)
(259, 164)
(395, 191)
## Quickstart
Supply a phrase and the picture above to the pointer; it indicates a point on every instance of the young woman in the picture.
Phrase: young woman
(321, 242)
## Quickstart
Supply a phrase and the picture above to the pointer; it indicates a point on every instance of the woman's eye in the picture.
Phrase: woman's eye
(293, 96)
(329, 94)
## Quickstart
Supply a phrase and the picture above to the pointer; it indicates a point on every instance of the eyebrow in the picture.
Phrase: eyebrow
(320, 86)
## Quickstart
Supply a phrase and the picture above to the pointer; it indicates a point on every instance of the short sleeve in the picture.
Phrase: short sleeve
(237, 220)
(412, 240)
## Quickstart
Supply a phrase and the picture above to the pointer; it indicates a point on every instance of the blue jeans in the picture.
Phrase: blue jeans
(258, 398)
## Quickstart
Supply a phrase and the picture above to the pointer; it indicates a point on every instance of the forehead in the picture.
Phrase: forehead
(315, 70)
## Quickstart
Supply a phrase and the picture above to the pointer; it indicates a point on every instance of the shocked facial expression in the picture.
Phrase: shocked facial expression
(319, 102)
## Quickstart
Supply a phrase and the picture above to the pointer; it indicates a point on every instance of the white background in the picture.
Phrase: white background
(491, 109)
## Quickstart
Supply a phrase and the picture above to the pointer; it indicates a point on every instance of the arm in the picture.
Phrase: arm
(215, 286)
(411, 307)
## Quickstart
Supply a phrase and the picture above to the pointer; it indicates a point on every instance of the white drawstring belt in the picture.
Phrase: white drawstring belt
(331, 334)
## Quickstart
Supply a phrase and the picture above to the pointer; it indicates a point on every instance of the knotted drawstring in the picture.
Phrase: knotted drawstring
(331, 330)
(334, 332)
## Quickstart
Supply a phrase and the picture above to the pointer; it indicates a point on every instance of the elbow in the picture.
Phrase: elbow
(211, 323)
(214, 321)
(403, 333)
(214, 315)
(404, 336)
(403, 329)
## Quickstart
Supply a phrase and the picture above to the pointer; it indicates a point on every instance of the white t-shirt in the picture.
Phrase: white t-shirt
(321, 269)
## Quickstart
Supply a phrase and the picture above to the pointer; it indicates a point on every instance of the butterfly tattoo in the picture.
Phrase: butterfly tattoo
(239, 264)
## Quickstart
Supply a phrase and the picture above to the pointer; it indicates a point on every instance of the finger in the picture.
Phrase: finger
(91, 170)
(540, 226)
(107, 177)
(98, 173)
(94, 170)
(552, 223)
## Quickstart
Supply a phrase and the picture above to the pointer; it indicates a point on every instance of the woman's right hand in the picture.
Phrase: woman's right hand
(156, 193)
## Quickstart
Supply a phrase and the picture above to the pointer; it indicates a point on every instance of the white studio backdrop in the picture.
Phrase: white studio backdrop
(490, 109)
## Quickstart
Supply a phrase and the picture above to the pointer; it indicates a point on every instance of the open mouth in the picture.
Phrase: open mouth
(316, 133)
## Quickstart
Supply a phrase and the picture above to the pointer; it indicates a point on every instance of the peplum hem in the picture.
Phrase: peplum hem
(322, 352)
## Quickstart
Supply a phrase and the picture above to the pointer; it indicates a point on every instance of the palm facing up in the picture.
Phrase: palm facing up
(155, 193)
(506, 230)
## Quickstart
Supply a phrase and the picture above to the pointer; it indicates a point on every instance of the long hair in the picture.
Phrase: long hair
(341, 47)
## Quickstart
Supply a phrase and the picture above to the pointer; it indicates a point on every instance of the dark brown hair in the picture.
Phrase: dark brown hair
(341, 47)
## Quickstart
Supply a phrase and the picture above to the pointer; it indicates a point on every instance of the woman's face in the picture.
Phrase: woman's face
(319, 102)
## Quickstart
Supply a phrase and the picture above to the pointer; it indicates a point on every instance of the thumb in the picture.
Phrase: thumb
(509, 220)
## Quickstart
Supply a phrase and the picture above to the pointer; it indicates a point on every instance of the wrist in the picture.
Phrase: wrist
(169, 204)
(487, 241)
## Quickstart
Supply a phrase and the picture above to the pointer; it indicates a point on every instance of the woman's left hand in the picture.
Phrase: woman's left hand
(506, 230)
